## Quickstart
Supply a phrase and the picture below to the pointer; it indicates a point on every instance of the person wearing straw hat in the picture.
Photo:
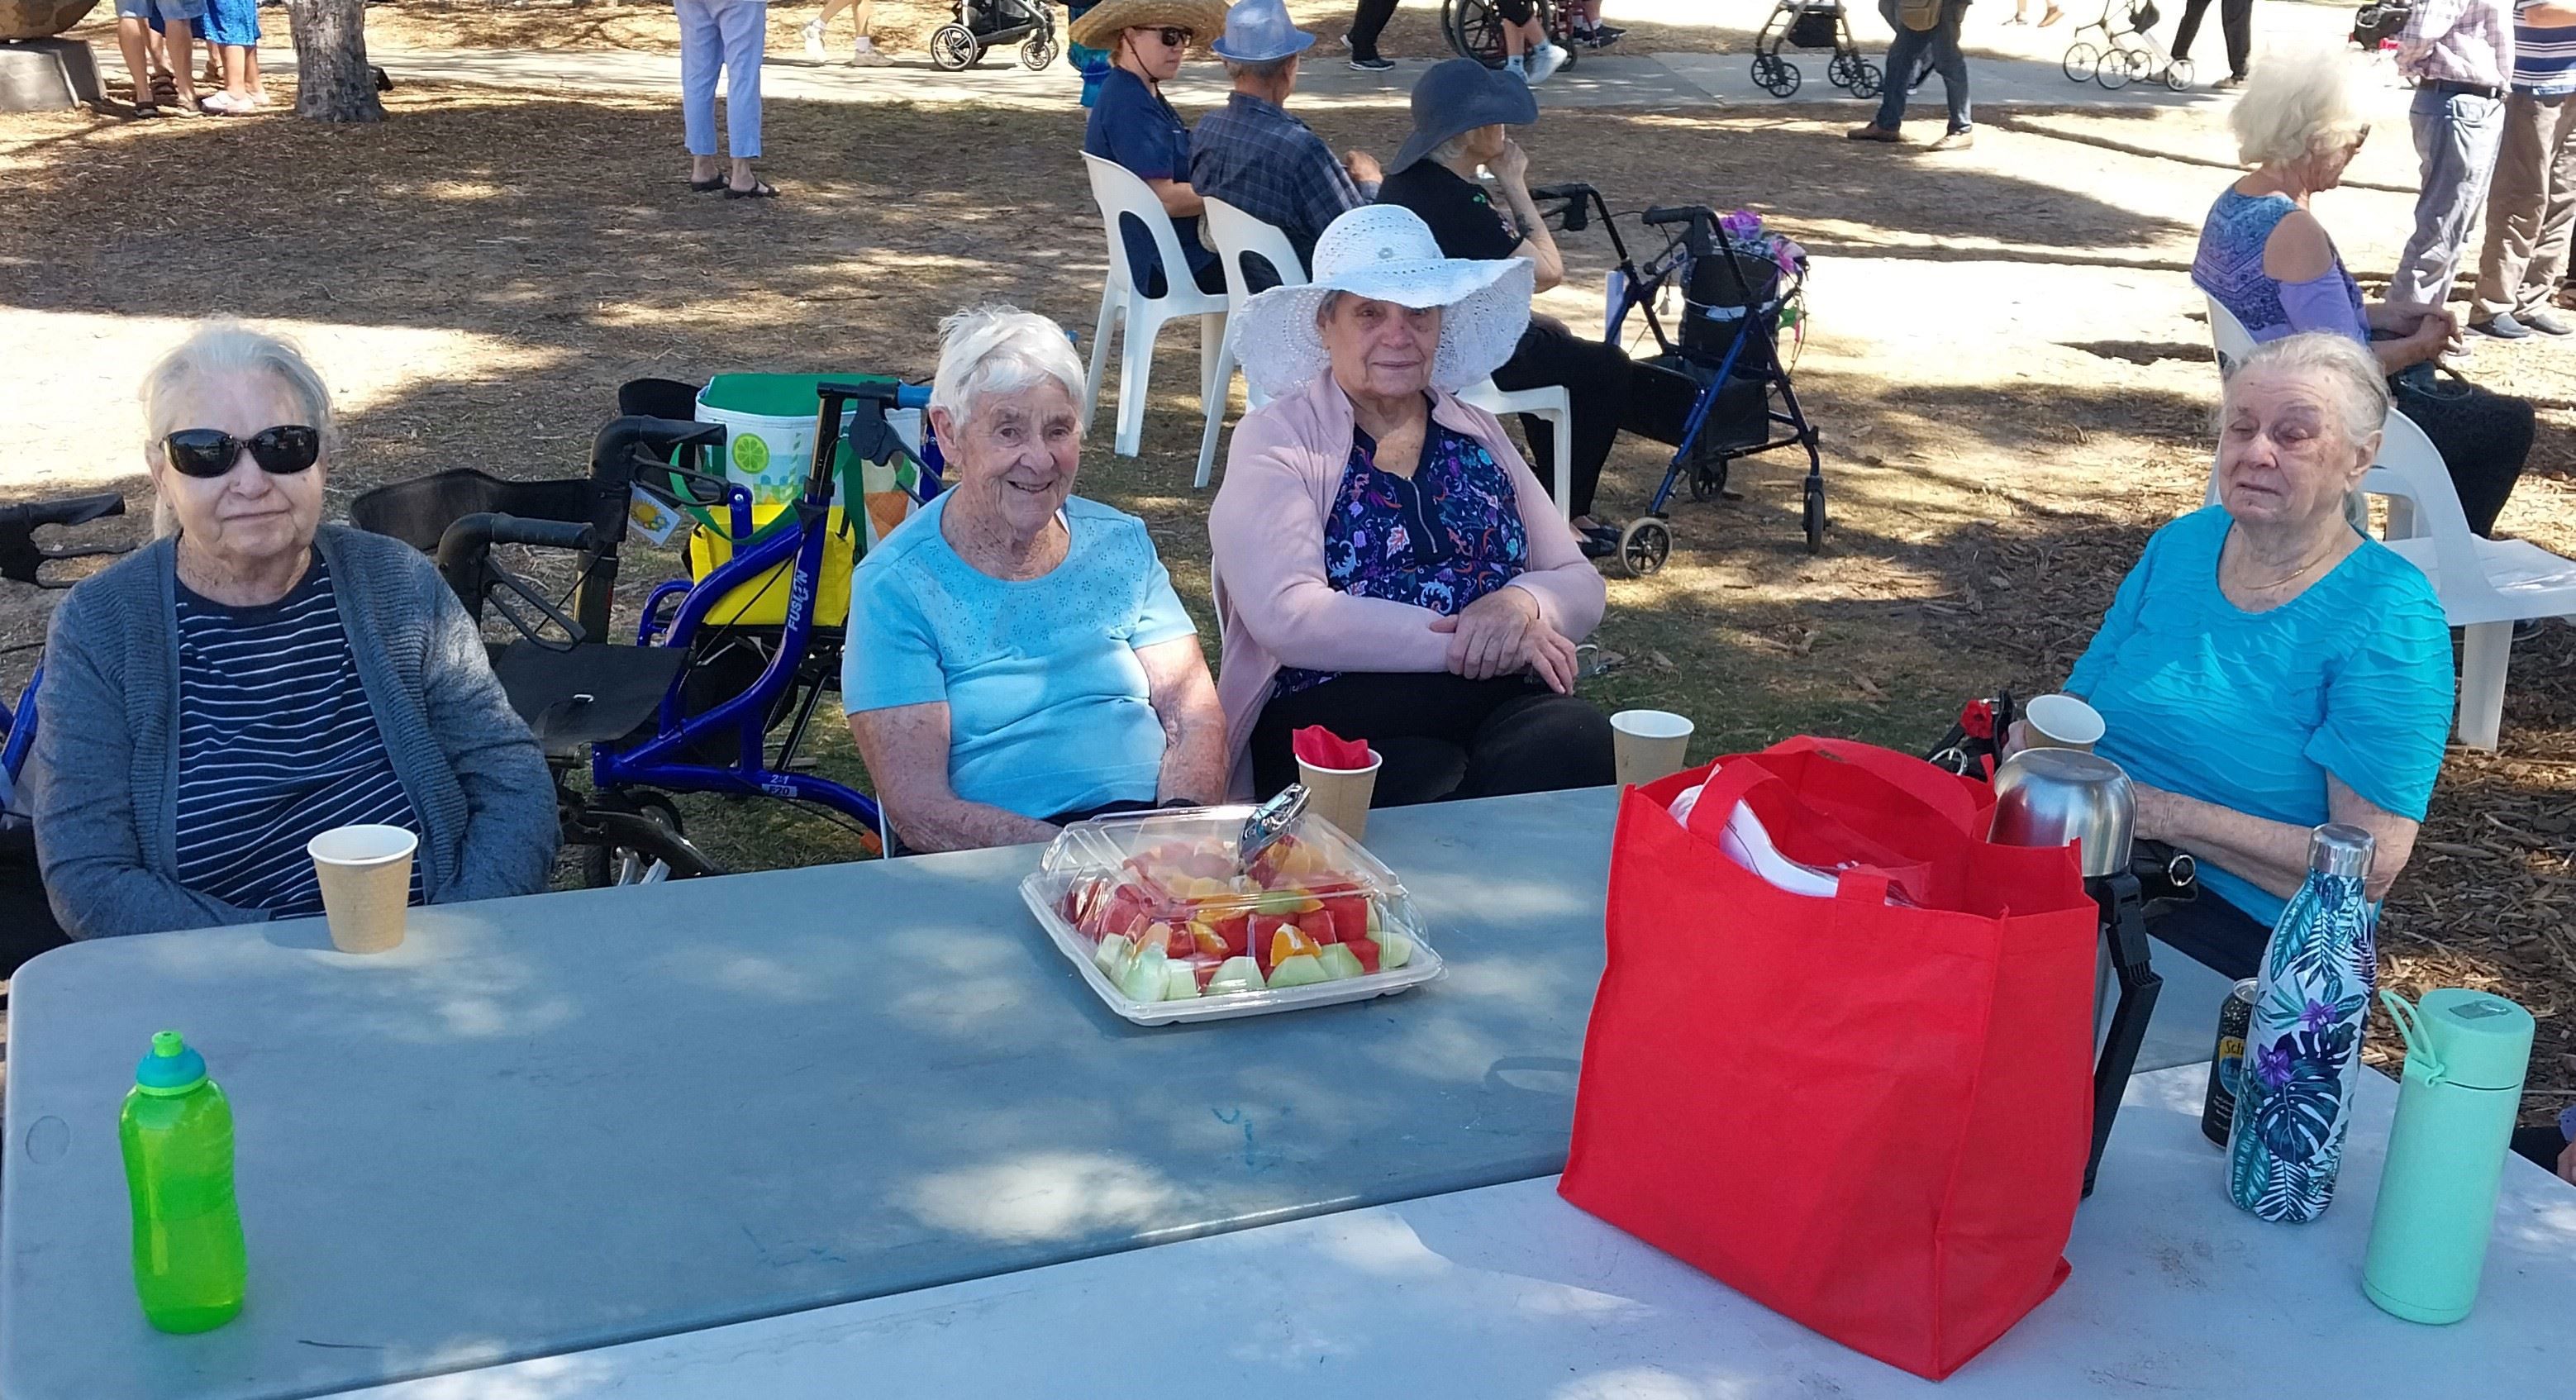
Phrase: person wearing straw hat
(1131, 124)
(1463, 113)
(1253, 155)
(1385, 564)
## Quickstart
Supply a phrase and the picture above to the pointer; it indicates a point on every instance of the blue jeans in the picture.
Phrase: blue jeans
(1907, 52)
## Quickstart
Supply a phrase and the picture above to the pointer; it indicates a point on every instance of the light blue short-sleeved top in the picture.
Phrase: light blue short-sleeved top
(1047, 704)
(2253, 710)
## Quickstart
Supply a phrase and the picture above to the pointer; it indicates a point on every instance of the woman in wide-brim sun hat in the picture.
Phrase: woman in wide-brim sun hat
(1100, 26)
(1132, 126)
(1386, 565)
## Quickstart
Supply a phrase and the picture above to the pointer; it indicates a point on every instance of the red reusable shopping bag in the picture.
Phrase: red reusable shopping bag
(1870, 1117)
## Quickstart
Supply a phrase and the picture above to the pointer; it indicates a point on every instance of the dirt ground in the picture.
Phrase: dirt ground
(2005, 357)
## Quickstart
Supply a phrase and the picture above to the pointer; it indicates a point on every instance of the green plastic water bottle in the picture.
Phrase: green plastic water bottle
(2466, 1053)
(177, 1131)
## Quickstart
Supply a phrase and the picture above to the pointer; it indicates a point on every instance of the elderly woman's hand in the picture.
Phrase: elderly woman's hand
(1503, 632)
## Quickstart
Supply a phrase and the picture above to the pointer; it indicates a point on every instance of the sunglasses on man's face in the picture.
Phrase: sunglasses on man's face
(208, 452)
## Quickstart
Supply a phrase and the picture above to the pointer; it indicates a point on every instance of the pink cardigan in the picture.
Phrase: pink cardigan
(1266, 537)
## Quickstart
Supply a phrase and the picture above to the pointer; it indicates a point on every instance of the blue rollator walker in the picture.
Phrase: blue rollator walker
(27, 925)
(689, 706)
(1720, 390)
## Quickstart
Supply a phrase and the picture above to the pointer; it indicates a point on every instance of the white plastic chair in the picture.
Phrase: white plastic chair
(1140, 318)
(2486, 586)
(1237, 235)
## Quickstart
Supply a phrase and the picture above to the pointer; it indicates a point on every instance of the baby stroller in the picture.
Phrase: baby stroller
(989, 24)
(1720, 390)
(1811, 24)
(2375, 26)
(2126, 53)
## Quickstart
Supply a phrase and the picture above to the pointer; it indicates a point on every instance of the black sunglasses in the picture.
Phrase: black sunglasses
(1175, 37)
(283, 450)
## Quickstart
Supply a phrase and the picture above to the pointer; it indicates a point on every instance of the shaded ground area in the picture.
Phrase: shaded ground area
(2005, 356)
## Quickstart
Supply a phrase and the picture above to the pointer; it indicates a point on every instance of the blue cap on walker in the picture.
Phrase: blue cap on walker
(1257, 31)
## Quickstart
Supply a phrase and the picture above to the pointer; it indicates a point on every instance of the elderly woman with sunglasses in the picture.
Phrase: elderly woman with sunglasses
(254, 677)
(1131, 124)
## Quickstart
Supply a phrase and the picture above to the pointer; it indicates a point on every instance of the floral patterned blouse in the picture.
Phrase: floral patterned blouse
(1442, 540)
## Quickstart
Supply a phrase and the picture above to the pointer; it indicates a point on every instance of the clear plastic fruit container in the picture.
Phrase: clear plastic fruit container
(1167, 925)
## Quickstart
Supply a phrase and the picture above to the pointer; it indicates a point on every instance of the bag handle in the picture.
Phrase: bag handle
(1736, 778)
(1945, 793)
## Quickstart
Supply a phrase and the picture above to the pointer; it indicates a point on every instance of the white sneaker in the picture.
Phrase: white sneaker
(867, 56)
(1544, 63)
(814, 39)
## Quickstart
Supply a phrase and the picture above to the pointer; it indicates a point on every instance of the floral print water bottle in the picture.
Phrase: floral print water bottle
(2295, 1092)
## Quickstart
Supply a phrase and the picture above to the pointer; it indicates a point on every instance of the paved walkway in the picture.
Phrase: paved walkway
(2011, 66)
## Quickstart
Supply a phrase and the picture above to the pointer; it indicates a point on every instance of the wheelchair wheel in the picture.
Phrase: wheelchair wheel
(2178, 75)
(2079, 61)
(1644, 546)
(953, 48)
(1038, 52)
(2114, 72)
(1815, 515)
(1708, 478)
(1473, 30)
(640, 843)
(1867, 81)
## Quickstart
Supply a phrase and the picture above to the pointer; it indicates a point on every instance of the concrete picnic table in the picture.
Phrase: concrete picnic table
(572, 1120)
(1508, 1291)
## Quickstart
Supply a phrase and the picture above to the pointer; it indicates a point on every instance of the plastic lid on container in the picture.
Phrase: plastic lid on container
(775, 395)
(173, 1067)
(2482, 1040)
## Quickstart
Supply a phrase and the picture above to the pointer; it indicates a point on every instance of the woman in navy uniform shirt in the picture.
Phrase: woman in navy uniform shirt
(1131, 123)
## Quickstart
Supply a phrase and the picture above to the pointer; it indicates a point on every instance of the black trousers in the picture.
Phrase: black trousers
(1595, 376)
(2235, 20)
(1440, 736)
(2484, 438)
(1367, 24)
(2215, 933)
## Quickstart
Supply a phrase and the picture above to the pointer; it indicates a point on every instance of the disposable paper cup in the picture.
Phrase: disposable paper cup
(1648, 744)
(1341, 795)
(366, 884)
(2061, 722)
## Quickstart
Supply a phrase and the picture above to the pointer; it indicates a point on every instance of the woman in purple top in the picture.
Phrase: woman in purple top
(2264, 256)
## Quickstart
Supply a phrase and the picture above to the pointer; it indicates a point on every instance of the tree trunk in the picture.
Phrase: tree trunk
(333, 82)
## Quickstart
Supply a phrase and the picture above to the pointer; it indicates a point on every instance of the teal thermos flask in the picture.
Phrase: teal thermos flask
(2465, 1057)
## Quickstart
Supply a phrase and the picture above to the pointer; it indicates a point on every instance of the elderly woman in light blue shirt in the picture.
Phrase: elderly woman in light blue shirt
(1017, 659)
(2266, 669)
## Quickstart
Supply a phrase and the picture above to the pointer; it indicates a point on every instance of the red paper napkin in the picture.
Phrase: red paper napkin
(1322, 748)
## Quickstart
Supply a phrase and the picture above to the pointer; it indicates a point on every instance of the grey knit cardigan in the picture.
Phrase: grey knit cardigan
(104, 770)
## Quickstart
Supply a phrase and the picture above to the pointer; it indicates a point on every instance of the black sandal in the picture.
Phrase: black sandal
(760, 189)
(145, 110)
(708, 186)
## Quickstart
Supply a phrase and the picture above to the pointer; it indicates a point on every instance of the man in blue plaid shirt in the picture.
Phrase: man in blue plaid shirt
(1253, 155)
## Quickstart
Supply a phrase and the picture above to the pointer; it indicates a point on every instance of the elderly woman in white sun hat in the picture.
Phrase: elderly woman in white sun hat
(1386, 565)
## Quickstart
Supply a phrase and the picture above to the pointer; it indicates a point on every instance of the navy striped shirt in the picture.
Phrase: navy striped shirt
(276, 745)
(2544, 57)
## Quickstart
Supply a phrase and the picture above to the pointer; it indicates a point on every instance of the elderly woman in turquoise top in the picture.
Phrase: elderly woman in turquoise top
(2265, 668)
(1017, 658)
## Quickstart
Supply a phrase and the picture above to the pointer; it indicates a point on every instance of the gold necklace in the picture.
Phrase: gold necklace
(2295, 575)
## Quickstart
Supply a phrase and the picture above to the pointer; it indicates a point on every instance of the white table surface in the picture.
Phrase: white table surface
(571, 1121)
(1507, 1291)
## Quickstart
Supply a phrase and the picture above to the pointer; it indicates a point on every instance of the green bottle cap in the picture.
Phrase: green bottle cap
(2482, 1040)
(171, 1068)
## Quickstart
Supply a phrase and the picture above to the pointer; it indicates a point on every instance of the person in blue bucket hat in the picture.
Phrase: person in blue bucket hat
(1253, 155)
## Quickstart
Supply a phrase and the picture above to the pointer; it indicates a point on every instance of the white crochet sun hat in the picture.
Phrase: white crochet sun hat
(1384, 252)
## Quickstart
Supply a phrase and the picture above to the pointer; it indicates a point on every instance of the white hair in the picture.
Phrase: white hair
(1001, 350)
(2296, 106)
(2346, 366)
(1265, 70)
(226, 348)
